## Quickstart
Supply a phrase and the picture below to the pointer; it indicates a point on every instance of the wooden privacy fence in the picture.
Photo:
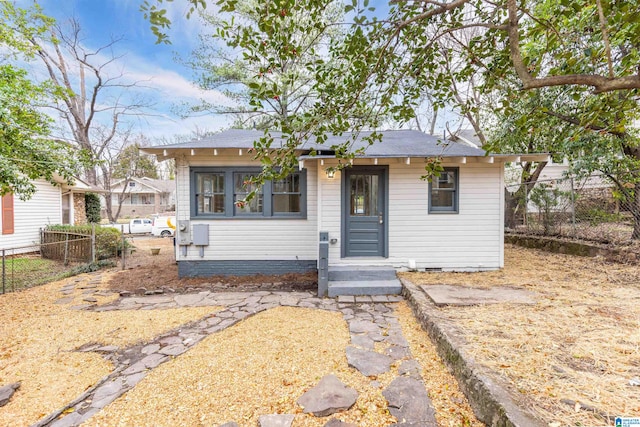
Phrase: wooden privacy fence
(65, 246)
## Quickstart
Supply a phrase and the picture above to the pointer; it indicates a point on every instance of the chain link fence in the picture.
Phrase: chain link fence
(589, 208)
(59, 254)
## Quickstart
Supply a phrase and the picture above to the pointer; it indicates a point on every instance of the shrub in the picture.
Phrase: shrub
(597, 216)
(91, 267)
(92, 207)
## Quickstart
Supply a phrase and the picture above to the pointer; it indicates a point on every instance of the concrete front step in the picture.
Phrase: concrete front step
(360, 273)
(368, 287)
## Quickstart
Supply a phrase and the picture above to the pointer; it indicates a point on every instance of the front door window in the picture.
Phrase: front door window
(364, 195)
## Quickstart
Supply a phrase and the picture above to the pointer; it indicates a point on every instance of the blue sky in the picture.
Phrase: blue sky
(166, 82)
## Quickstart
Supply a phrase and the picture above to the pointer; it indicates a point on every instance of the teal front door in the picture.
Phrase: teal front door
(364, 211)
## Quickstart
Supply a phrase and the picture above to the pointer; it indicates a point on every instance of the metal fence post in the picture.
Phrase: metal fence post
(4, 276)
(123, 251)
(93, 243)
(573, 206)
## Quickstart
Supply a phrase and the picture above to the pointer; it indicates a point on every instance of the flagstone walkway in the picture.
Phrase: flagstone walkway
(370, 320)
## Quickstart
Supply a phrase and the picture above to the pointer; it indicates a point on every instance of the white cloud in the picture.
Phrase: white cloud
(158, 80)
(172, 84)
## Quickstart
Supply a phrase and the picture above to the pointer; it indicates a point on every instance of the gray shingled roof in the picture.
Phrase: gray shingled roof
(164, 185)
(395, 143)
(405, 143)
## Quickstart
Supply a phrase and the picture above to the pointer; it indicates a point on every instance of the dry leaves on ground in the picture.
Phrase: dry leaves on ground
(37, 339)
(580, 342)
(260, 366)
(451, 405)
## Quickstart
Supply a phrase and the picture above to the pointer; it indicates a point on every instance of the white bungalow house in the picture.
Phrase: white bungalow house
(377, 212)
(21, 221)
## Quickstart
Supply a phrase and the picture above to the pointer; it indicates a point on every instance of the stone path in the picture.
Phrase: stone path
(370, 320)
(457, 295)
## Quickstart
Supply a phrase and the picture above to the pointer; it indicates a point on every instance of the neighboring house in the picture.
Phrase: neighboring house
(51, 204)
(378, 212)
(143, 196)
(468, 137)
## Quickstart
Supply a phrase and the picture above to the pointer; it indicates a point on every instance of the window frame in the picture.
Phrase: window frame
(456, 194)
(230, 211)
(193, 193)
(261, 192)
(303, 198)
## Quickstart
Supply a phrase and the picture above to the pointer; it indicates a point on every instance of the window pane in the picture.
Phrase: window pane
(442, 199)
(210, 193)
(253, 206)
(289, 184)
(243, 183)
(211, 204)
(284, 203)
(286, 195)
(364, 195)
(447, 179)
(444, 192)
(242, 187)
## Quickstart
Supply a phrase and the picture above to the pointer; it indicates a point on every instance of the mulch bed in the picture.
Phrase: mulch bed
(145, 272)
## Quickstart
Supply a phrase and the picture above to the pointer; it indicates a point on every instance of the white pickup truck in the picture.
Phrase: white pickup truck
(135, 226)
(164, 226)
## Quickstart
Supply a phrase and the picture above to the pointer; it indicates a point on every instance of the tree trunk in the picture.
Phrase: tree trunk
(108, 198)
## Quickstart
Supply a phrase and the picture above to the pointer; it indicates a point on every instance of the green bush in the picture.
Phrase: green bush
(91, 267)
(108, 240)
(597, 216)
(92, 207)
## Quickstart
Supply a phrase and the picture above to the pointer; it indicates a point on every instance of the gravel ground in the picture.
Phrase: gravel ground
(570, 357)
(285, 351)
(262, 365)
(38, 339)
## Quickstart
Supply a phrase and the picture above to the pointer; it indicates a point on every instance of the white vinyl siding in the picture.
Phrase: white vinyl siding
(249, 239)
(469, 240)
(44, 208)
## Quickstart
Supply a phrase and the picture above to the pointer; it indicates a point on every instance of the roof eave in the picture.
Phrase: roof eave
(170, 153)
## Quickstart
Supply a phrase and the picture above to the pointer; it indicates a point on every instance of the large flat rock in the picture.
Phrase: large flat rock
(276, 420)
(328, 397)
(463, 295)
(409, 402)
(7, 391)
(368, 362)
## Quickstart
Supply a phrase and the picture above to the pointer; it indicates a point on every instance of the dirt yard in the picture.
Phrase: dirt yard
(569, 358)
(40, 341)
(145, 272)
(572, 357)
